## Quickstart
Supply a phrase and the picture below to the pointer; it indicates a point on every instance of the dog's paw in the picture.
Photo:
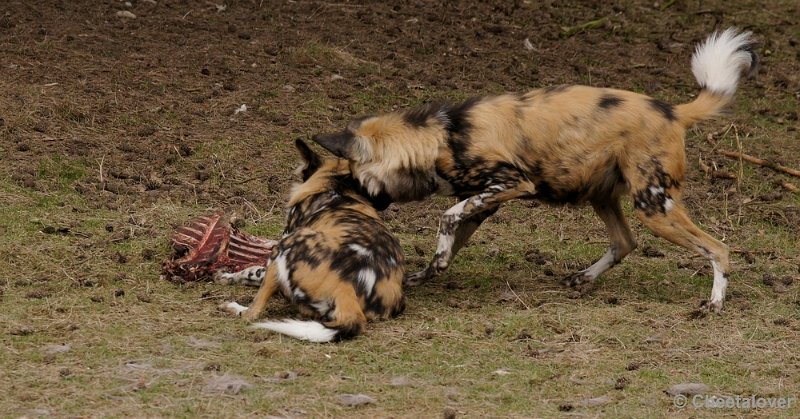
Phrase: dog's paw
(706, 307)
(232, 308)
(249, 315)
(417, 278)
(223, 278)
(712, 306)
(576, 279)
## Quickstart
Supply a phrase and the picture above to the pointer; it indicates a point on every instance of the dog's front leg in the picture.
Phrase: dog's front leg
(463, 232)
(268, 287)
(252, 276)
(457, 225)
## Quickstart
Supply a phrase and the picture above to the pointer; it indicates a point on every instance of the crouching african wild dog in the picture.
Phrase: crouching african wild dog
(336, 261)
(564, 144)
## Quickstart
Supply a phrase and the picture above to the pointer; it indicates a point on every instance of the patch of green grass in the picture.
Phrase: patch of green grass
(60, 170)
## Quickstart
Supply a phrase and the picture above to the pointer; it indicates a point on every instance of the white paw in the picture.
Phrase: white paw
(223, 278)
(233, 308)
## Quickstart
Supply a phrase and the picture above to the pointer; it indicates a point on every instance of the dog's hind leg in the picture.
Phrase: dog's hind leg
(622, 242)
(348, 317)
(674, 224)
(479, 206)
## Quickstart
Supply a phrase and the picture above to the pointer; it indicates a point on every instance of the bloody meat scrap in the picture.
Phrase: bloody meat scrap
(210, 244)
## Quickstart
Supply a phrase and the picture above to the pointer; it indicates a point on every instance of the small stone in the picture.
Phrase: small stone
(594, 401)
(352, 400)
(126, 14)
(687, 389)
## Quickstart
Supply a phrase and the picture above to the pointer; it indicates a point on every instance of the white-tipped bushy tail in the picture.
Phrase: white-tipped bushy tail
(718, 63)
(721, 59)
(309, 330)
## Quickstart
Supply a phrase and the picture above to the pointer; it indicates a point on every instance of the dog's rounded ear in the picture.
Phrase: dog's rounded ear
(340, 143)
(312, 161)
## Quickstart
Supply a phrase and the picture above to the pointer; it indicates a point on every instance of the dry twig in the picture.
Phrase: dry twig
(761, 162)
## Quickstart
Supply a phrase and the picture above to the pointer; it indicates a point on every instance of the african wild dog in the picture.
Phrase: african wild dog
(336, 260)
(563, 144)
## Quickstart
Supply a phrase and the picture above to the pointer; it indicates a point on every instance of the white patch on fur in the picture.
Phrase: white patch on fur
(298, 293)
(668, 205)
(234, 308)
(602, 265)
(322, 306)
(657, 191)
(445, 247)
(718, 62)
(457, 209)
(253, 275)
(720, 285)
(441, 115)
(309, 330)
(362, 149)
(367, 279)
(361, 250)
(283, 272)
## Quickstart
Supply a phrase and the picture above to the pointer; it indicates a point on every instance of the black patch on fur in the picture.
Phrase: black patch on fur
(664, 108)
(609, 101)
(400, 308)
(458, 116)
(647, 201)
(421, 183)
(419, 117)
(347, 331)
(379, 202)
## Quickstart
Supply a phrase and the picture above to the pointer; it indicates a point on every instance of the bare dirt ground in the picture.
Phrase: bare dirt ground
(117, 127)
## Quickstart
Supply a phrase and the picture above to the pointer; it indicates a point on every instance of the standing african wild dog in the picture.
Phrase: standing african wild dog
(564, 144)
(336, 260)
